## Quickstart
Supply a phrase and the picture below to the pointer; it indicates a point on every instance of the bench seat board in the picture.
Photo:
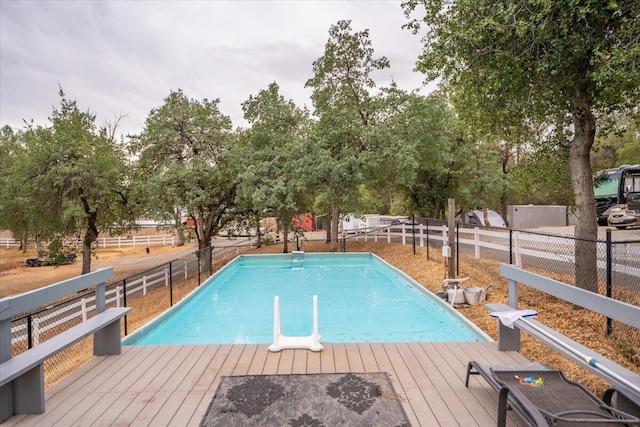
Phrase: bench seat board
(26, 361)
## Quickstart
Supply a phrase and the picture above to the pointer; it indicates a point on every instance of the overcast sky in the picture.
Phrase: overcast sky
(123, 57)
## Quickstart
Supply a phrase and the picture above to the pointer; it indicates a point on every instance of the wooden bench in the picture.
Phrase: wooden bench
(22, 376)
(626, 383)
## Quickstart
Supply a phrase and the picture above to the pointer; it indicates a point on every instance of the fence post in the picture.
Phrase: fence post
(427, 239)
(609, 284)
(198, 253)
(516, 248)
(124, 301)
(413, 231)
(510, 246)
(29, 332)
(457, 248)
(476, 240)
(170, 285)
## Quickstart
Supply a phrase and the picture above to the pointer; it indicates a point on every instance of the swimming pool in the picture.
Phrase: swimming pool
(360, 299)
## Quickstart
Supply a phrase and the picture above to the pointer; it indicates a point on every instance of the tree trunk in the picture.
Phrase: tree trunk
(39, 249)
(181, 237)
(581, 180)
(335, 219)
(327, 227)
(24, 242)
(285, 240)
(256, 217)
(90, 236)
(177, 223)
(485, 215)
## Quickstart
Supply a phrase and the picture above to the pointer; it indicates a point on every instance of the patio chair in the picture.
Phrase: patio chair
(554, 400)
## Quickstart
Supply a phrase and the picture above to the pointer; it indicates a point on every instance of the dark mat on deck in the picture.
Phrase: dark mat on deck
(319, 400)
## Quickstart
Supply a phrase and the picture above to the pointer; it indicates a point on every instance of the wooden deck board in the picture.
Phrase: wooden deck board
(173, 386)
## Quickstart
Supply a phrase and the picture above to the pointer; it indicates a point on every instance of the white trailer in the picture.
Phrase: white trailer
(354, 223)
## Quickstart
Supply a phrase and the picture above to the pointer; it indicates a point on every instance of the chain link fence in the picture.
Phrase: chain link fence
(148, 293)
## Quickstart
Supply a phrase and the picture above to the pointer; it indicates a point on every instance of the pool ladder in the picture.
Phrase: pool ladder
(297, 258)
(282, 342)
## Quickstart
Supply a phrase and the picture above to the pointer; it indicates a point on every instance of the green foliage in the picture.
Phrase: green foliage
(621, 146)
(187, 163)
(536, 65)
(567, 66)
(345, 107)
(69, 176)
(274, 175)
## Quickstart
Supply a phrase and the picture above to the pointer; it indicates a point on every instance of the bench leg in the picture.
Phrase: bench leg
(24, 395)
(6, 402)
(508, 339)
(107, 340)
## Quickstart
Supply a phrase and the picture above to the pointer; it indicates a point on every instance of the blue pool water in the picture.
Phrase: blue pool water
(360, 299)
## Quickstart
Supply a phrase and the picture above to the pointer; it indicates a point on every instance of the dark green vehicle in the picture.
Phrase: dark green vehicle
(58, 259)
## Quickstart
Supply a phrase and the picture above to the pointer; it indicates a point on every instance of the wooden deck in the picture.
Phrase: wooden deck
(173, 385)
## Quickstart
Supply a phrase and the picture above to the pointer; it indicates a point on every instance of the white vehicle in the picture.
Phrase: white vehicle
(627, 215)
(353, 223)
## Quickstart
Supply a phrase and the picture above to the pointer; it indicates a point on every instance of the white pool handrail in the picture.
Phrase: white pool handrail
(282, 342)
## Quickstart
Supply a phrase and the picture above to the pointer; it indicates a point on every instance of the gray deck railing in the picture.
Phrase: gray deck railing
(509, 339)
(22, 382)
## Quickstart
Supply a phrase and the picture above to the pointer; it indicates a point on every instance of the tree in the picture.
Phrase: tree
(186, 152)
(425, 151)
(620, 147)
(341, 97)
(16, 213)
(569, 65)
(71, 176)
(273, 179)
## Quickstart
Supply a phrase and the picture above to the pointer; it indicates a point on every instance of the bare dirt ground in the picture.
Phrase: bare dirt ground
(16, 277)
(580, 325)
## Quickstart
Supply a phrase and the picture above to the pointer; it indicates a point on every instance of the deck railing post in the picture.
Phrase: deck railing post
(101, 299)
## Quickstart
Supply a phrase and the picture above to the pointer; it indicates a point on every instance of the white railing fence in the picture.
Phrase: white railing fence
(104, 242)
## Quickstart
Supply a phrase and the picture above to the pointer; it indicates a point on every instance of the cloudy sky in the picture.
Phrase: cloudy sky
(123, 57)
